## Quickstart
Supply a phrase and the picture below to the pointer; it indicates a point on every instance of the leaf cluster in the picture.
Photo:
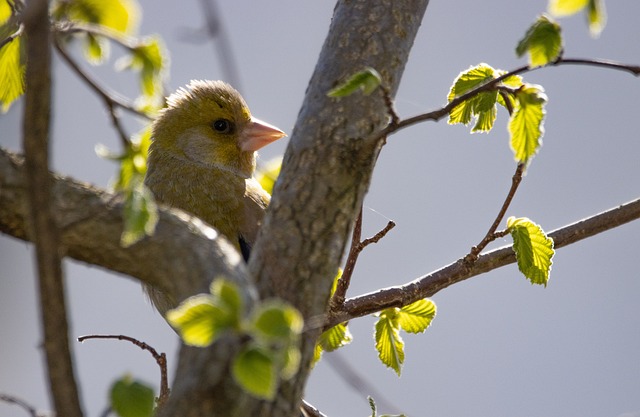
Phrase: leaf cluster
(272, 328)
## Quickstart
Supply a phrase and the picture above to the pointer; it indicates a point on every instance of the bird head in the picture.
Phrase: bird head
(208, 123)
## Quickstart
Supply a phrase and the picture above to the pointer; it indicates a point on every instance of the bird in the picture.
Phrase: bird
(202, 159)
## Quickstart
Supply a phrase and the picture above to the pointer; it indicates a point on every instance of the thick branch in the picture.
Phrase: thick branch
(91, 223)
(460, 270)
(327, 168)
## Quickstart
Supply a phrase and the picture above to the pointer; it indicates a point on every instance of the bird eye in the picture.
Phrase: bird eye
(223, 126)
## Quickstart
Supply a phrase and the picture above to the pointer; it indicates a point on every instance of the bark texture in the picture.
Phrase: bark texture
(328, 165)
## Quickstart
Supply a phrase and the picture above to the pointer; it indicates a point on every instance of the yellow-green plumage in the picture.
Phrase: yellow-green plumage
(202, 159)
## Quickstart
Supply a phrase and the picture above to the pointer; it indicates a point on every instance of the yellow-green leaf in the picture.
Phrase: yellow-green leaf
(150, 58)
(481, 106)
(335, 337)
(276, 321)
(12, 71)
(526, 124)
(566, 7)
(131, 398)
(96, 49)
(140, 214)
(255, 371)
(199, 320)
(119, 15)
(543, 42)
(594, 9)
(366, 80)
(291, 362)
(228, 294)
(416, 317)
(5, 12)
(389, 344)
(533, 248)
(597, 17)
(268, 174)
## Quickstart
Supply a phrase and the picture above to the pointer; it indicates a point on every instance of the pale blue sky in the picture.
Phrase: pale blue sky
(499, 347)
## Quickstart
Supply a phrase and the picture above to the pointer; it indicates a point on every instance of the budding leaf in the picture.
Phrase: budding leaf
(12, 70)
(595, 11)
(199, 320)
(543, 42)
(526, 123)
(389, 344)
(482, 107)
(254, 370)
(131, 398)
(416, 317)
(366, 80)
(533, 248)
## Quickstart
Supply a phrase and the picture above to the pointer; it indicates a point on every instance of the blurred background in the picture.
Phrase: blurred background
(498, 346)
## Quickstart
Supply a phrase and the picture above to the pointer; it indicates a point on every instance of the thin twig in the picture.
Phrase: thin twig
(430, 284)
(444, 111)
(161, 360)
(491, 234)
(357, 246)
(20, 403)
(108, 96)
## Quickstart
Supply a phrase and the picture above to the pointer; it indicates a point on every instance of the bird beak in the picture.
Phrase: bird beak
(258, 134)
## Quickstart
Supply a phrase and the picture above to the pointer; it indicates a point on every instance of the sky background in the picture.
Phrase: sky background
(498, 346)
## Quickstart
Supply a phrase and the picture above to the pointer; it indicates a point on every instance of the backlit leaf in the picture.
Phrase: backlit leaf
(416, 317)
(12, 71)
(366, 80)
(526, 123)
(199, 320)
(389, 344)
(533, 248)
(131, 398)
(254, 370)
(543, 42)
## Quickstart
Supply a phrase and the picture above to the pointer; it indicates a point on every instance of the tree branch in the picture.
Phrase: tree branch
(91, 222)
(438, 114)
(460, 270)
(44, 231)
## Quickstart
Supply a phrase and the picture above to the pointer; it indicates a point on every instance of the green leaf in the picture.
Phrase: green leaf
(366, 80)
(199, 320)
(140, 214)
(482, 106)
(96, 49)
(416, 317)
(291, 362)
(254, 370)
(275, 321)
(526, 123)
(566, 7)
(543, 42)
(335, 337)
(595, 11)
(131, 398)
(121, 16)
(268, 174)
(533, 248)
(389, 344)
(12, 71)
(149, 57)
(597, 17)
(5, 12)
(226, 292)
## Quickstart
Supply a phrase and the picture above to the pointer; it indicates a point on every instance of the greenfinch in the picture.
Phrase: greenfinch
(202, 159)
